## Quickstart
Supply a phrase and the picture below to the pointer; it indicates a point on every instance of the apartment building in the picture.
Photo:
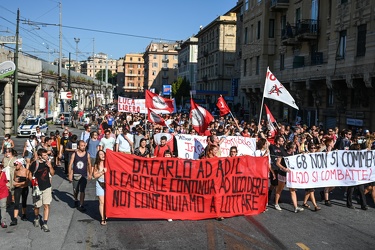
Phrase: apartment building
(216, 60)
(161, 65)
(133, 75)
(98, 62)
(323, 52)
(187, 61)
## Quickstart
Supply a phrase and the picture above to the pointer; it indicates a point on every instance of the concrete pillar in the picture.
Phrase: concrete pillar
(37, 99)
(8, 109)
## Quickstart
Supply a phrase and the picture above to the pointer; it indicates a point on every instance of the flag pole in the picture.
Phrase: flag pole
(261, 107)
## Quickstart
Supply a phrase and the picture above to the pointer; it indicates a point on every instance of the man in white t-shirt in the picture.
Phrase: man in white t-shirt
(124, 141)
(107, 142)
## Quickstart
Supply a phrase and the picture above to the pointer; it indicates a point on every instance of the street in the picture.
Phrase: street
(336, 227)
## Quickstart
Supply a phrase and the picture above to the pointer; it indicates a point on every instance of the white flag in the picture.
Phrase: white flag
(273, 89)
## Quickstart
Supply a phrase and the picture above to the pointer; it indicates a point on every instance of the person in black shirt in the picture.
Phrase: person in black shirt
(41, 171)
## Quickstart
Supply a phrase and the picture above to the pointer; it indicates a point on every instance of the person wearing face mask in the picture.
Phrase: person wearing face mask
(7, 143)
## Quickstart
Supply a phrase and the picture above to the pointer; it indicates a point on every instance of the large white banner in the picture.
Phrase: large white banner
(337, 168)
(131, 105)
(190, 146)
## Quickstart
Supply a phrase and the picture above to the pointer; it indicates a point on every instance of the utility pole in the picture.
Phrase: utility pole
(60, 46)
(69, 73)
(15, 89)
(77, 41)
(93, 67)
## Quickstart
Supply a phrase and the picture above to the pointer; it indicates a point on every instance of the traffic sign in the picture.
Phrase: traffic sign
(69, 95)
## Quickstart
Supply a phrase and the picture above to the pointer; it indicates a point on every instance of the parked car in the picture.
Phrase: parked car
(28, 126)
(67, 120)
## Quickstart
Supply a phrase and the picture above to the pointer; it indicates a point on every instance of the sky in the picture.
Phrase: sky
(113, 27)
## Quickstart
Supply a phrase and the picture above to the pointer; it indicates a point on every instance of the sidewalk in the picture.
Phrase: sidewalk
(70, 228)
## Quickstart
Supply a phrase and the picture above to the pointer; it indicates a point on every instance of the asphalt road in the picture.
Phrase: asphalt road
(336, 227)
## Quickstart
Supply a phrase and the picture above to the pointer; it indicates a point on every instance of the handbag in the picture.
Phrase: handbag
(102, 184)
(77, 177)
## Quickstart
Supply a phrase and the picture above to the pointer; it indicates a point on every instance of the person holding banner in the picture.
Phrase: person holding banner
(143, 150)
(99, 173)
(361, 188)
(309, 192)
(276, 150)
(329, 143)
(290, 149)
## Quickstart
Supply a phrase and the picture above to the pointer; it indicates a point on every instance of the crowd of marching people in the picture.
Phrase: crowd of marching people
(82, 157)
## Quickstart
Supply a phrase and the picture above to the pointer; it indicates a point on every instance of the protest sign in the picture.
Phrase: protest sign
(336, 168)
(130, 105)
(173, 188)
(190, 146)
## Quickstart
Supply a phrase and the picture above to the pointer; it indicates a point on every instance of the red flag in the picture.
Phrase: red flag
(270, 120)
(155, 101)
(200, 117)
(155, 118)
(222, 106)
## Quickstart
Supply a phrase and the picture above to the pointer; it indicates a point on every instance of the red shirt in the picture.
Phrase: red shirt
(3, 186)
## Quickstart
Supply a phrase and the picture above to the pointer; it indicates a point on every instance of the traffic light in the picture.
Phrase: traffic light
(73, 103)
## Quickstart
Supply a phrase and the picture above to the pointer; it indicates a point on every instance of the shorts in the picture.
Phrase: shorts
(99, 189)
(281, 178)
(29, 155)
(80, 185)
(45, 198)
(274, 182)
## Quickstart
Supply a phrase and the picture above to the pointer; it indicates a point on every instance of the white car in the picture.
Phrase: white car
(28, 126)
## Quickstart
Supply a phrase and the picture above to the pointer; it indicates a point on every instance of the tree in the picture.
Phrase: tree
(181, 88)
(100, 75)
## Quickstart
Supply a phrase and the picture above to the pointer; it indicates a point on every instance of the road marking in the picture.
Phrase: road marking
(302, 246)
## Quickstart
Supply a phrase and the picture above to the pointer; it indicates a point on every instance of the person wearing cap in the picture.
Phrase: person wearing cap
(21, 188)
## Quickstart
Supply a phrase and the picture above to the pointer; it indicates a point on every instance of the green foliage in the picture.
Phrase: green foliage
(181, 88)
(100, 75)
(73, 103)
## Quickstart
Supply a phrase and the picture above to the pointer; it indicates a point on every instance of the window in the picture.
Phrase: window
(131, 58)
(251, 67)
(165, 65)
(165, 56)
(246, 4)
(271, 28)
(139, 59)
(342, 45)
(244, 67)
(258, 30)
(245, 36)
(344, 1)
(331, 99)
(361, 40)
(154, 65)
(282, 61)
(252, 33)
(139, 72)
(155, 57)
(154, 73)
(257, 66)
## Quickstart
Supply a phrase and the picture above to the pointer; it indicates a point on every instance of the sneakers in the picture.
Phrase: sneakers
(277, 207)
(13, 223)
(24, 218)
(170, 220)
(3, 225)
(36, 223)
(45, 228)
(81, 208)
(298, 209)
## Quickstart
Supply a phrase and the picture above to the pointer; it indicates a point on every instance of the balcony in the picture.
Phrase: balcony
(307, 29)
(279, 5)
(288, 36)
(164, 60)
